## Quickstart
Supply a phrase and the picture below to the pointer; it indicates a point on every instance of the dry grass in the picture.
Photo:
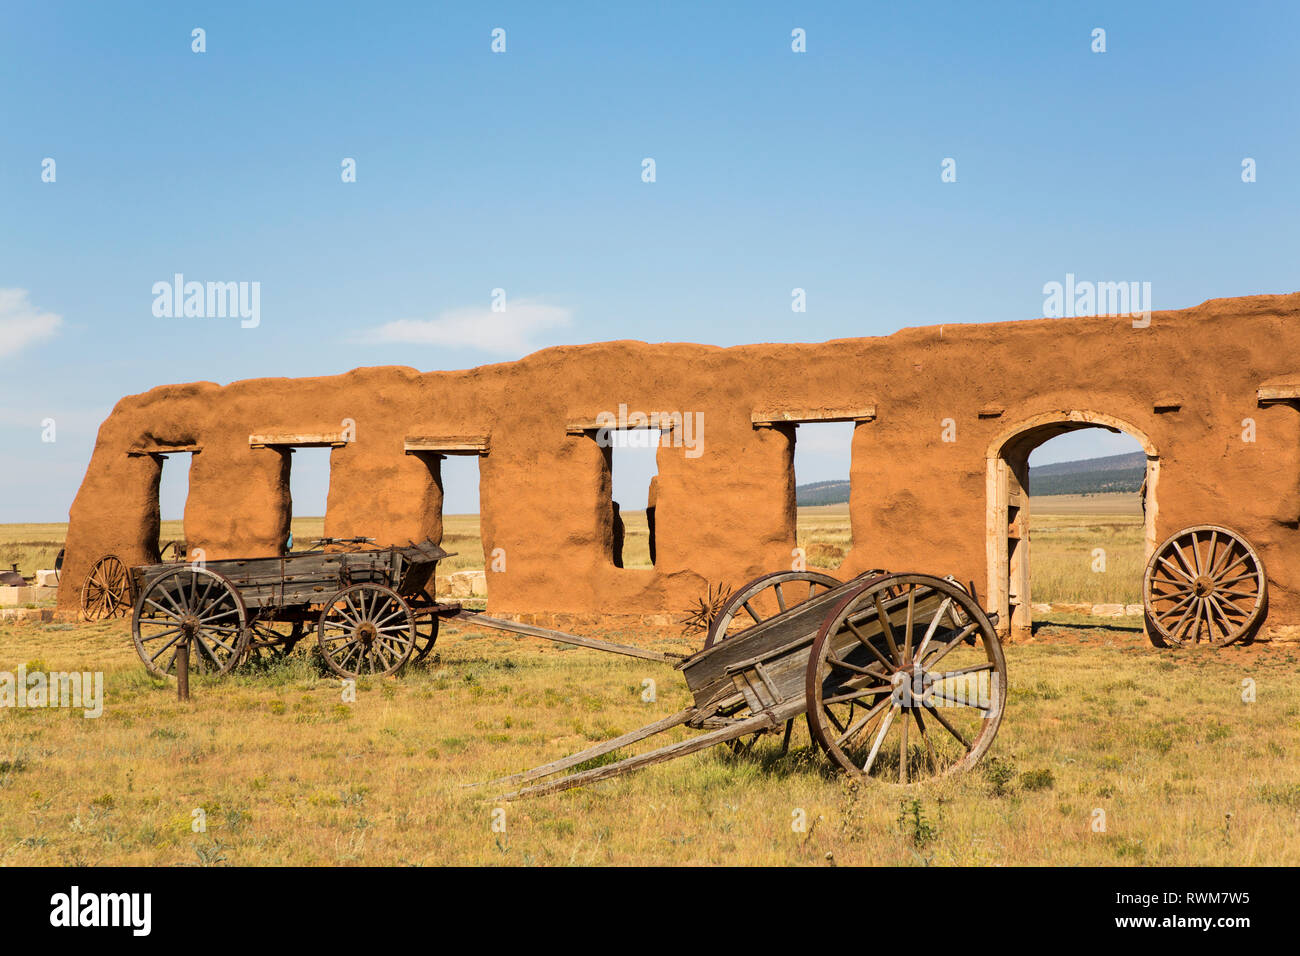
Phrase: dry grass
(30, 546)
(823, 532)
(1063, 544)
(288, 774)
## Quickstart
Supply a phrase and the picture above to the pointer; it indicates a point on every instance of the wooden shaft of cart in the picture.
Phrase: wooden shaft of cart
(598, 750)
(765, 720)
(563, 637)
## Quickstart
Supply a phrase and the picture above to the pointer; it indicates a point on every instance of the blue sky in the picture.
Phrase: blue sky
(522, 171)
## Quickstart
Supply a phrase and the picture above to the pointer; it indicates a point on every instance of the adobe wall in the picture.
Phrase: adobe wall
(917, 502)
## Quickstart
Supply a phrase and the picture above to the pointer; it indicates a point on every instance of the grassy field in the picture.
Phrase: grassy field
(286, 773)
(1065, 530)
(823, 532)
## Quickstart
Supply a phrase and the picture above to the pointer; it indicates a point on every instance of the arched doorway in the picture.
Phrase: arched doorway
(1007, 513)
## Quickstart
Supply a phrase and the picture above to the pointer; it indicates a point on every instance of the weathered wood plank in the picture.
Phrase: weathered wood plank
(298, 439)
(448, 444)
(140, 452)
(779, 416)
(1285, 388)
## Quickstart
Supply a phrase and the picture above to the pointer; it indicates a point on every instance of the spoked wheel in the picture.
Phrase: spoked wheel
(106, 592)
(195, 605)
(906, 680)
(764, 598)
(761, 600)
(1204, 585)
(426, 631)
(271, 640)
(366, 629)
(426, 635)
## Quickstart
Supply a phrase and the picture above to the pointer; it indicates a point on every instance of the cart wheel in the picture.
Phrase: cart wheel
(900, 653)
(106, 592)
(426, 630)
(1204, 585)
(761, 600)
(196, 605)
(267, 641)
(178, 548)
(765, 597)
(426, 635)
(366, 629)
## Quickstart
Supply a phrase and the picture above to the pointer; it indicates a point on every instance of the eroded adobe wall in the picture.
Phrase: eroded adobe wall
(918, 502)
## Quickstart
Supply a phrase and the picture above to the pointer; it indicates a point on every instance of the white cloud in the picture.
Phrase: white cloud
(512, 332)
(21, 323)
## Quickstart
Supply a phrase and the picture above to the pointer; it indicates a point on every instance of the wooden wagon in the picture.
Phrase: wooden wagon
(899, 676)
(372, 609)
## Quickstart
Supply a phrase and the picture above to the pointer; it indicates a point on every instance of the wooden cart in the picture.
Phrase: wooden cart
(900, 677)
(372, 609)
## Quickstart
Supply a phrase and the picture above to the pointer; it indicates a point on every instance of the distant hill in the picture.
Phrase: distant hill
(822, 493)
(1091, 476)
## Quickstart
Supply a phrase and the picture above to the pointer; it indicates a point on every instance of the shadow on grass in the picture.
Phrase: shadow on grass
(1071, 626)
(766, 757)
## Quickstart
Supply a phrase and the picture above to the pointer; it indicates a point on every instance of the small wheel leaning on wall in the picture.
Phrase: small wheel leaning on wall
(366, 630)
(195, 605)
(906, 680)
(1204, 585)
(106, 592)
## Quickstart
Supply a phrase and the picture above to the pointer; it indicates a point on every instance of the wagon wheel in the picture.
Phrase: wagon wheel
(426, 635)
(178, 548)
(195, 605)
(1204, 584)
(266, 642)
(906, 680)
(366, 629)
(106, 592)
(767, 596)
(761, 600)
(426, 629)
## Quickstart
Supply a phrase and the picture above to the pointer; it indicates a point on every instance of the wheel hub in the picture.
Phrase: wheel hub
(1203, 585)
(909, 686)
(367, 632)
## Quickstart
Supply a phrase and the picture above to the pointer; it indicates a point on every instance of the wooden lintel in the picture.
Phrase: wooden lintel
(446, 444)
(794, 416)
(991, 411)
(163, 450)
(298, 440)
(1167, 404)
(1276, 391)
(580, 426)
